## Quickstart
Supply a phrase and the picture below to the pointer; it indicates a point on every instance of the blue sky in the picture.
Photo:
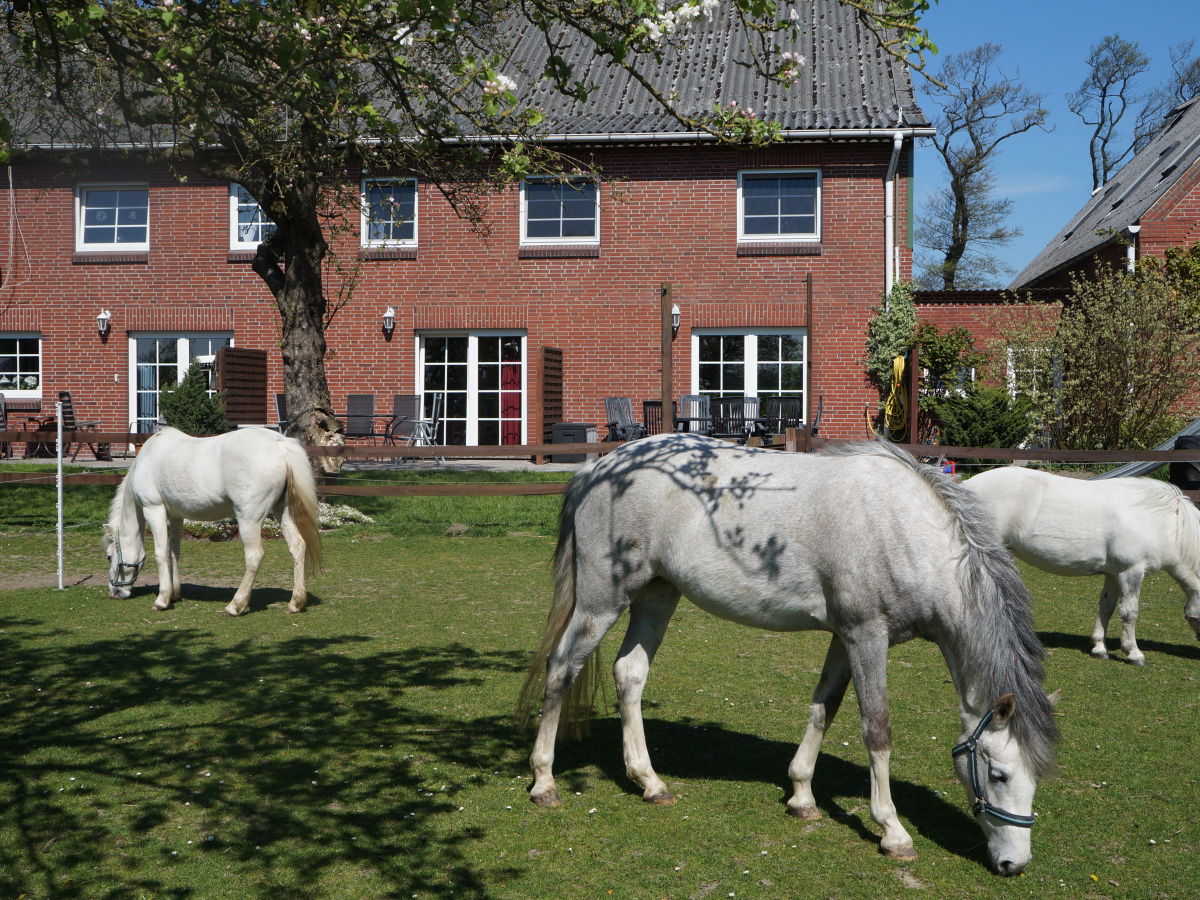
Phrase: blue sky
(1047, 175)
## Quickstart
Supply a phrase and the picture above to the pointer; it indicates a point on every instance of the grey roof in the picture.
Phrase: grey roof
(848, 80)
(1122, 202)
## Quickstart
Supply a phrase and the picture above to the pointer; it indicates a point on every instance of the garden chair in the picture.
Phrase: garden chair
(695, 414)
(781, 413)
(425, 431)
(737, 418)
(361, 421)
(5, 446)
(406, 413)
(281, 419)
(652, 416)
(71, 423)
(621, 424)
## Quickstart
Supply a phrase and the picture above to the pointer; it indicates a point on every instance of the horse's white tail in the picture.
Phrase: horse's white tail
(302, 502)
(577, 705)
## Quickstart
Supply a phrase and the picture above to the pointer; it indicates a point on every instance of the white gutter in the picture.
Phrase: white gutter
(1131, 248)
(891, 268)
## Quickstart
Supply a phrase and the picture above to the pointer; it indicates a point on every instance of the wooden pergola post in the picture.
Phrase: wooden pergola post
(664, 309)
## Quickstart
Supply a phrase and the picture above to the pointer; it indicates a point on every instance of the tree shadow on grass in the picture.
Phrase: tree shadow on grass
(711, 752)
(125, 763)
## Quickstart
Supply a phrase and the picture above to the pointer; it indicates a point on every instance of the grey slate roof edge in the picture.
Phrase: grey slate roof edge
(1127, 196)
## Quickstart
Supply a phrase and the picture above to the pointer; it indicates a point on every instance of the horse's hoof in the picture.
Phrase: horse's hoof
(1195, 623)
(907, 853)
(226, 614)
(548, 799)
(154, 607)
(663, 798)
(809, 813)
(1137, 660)
(1099, 654)
(296, 610)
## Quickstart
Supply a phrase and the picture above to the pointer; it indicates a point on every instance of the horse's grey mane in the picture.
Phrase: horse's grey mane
(1000, 605)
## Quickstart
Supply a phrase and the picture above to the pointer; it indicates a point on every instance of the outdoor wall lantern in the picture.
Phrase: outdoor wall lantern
(674, 319)
(102, 322)
(389, 321)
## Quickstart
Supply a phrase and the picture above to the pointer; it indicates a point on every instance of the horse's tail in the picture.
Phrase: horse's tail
(302, 501)
(578, 702)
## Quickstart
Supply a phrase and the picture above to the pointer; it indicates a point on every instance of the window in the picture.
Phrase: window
(481, 378)
(161, 360)
(750, 362)
(779, 206)
(20, 365)
(559, 212)
(113, 218)
(249, 226)
(389, 212)
(1031, 371)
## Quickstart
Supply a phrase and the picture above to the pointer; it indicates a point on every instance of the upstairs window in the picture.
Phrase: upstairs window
(20, 365)
(389, 212)
(779, 206)
(554, 211)
(112, 217)
(249, 226)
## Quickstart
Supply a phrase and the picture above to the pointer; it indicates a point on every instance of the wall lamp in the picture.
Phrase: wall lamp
(674, 319)
(389, 321)
(103, 321)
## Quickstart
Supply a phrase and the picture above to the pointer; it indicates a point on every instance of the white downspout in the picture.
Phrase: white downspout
(1131, 248)
(890, 268)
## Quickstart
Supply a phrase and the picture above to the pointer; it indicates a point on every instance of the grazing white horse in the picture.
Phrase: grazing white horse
(865, 543)
(1121, 528)
(246, 473)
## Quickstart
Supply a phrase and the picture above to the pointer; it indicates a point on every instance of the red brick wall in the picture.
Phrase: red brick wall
(1174, 221)
(668, 214)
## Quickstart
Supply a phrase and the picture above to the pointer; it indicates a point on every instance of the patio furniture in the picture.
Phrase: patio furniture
(737, 418)
(621, 424)
(652, 416)
(695, 414)
(5, 447)
(781, 413)
(281, 418)
(406, 414)
(69, 423)
(361, 421)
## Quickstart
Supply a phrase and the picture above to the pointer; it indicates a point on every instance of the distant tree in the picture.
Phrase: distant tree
(1103, 99)
(980, 108)
(1181, 85)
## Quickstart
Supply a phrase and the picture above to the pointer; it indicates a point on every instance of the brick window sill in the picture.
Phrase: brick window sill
(388, 253)
(101, 258)
(767, 248)
(559, 251)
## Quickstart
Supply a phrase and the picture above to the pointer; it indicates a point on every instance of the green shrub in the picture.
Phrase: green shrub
(986, 417)
(188, 406)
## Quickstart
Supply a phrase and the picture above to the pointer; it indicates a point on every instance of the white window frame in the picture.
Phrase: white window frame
(750, 386)
(472, 390)
(365, 216)
(19, 393)
(235, 241)
(183, 358)
(1011, 368)
(789, 237)
(526, 240)
(81, 192)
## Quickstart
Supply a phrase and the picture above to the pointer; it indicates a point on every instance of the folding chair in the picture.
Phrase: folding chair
(621, 424)
(425, 431)
(361, 419)
(406, 413)
(281, 418)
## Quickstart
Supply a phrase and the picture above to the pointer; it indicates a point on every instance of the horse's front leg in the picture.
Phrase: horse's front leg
(251, 534)
(175, 531)
(648, 617)
(1107, 603)
(160, 531)
(827, 698)
(867, 650)
(1130, 584)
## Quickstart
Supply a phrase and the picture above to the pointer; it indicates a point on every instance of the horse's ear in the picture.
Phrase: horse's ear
(109, 531)
(1005, 707)
(1054, 698)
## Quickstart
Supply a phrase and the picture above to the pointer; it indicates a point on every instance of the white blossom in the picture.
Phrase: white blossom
(499, 85)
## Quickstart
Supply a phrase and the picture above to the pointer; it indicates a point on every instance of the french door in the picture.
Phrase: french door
(161, 360)
(480, 377)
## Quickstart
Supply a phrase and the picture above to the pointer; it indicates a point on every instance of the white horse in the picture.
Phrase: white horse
(1121, 528)
(246, 473)
(865, 543)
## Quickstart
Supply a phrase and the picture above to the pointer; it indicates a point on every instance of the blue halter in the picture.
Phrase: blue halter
(121, 580)
(981, 805)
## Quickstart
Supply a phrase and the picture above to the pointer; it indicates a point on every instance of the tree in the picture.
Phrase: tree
(1112, 373)
(284, 97)
(980, 108)
(1104, 97)
(1181, 85)
(188, 406)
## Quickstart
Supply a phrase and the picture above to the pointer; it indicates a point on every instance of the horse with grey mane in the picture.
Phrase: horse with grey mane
(246, 473)
(1121, 528)
(862, 541)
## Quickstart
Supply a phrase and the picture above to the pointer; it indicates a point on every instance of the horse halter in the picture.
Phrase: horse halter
(120, 580)
(981, 805)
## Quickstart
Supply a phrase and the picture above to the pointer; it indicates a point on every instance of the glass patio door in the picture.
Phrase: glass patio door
(481, 379)
(161, 360)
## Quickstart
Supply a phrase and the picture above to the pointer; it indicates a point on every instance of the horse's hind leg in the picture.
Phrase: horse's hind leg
(1130, 582)
(1189, 580)
(1108, 603)
(827, 697)
(295, 544)
(175, 532)
(581, 636)
(649, 614)
(251, 534)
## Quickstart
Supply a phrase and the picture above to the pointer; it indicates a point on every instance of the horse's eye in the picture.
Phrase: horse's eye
(997, 775)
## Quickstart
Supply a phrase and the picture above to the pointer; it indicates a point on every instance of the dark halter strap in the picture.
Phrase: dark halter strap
(121, 580)
(970, 747)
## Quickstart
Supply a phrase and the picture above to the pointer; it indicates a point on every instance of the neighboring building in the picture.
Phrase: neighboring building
(775, 258)
(1151, 204)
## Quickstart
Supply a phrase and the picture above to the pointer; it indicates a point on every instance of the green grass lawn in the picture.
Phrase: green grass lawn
(363, 748)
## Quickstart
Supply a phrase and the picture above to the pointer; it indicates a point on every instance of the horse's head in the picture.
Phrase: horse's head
(1000, 780)
(123, 563)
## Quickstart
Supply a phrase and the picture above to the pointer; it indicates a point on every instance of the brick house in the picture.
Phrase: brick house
(774, 257)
